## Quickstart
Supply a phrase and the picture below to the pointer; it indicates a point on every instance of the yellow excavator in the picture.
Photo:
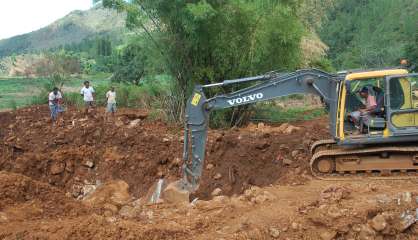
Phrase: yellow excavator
(387, 144)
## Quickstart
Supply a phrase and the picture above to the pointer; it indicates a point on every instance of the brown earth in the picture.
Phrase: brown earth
(87, 178)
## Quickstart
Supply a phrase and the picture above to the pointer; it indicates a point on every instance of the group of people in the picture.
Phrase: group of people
(87, 92)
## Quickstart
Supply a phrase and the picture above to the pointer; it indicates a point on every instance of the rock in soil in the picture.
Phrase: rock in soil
(217, 176)
(221, 199)
(57, 168)
(134, 123)
(113, 192)
(216, 192)
(209, 166)
(274, 232)
(406, 221)
(3, 217)
(328, 235)
(110, 207)
(287, 161)
(367, 233)
(89, 164)
(128, 212)
(174, 194)
(379, 223)
(295, 225)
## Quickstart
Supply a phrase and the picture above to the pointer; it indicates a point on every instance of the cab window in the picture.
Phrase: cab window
(404, 101)
(353, 99)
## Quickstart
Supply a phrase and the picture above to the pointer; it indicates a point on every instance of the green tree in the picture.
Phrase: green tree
(411, 50)
(57, 63)
(104, 47)
(57, 67)
(130, 64)
(372, 33)
(206, 41)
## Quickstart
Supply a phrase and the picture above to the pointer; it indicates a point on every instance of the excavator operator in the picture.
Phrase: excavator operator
(374, 106)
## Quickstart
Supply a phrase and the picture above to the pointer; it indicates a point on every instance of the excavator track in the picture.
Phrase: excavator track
(390, 163)
(325, 144)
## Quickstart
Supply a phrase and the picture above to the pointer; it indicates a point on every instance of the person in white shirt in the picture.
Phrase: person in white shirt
(55, 100)
(88, 95)
(111, 101)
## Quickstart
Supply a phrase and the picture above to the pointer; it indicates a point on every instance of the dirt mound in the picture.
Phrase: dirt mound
(86, 151)
(245, 157)
(37, 199)
(90, 227)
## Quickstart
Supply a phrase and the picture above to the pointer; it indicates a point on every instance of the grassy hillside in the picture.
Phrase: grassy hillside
(370, 33)
(73, 28)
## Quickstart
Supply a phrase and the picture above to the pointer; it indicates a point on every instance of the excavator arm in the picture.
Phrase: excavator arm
(268, 87)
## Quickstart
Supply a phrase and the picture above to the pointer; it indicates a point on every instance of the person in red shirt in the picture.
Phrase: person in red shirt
(363, 114)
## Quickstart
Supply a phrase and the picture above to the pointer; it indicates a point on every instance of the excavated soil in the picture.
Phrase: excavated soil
(142, 151)
(87, 178)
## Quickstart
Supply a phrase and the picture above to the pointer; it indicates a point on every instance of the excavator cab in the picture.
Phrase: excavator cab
(375, 119)
(396, 95)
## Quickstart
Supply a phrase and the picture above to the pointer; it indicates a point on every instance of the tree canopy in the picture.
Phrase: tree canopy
(214, 40)
(205, 41)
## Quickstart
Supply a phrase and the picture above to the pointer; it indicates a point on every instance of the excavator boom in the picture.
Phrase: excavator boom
(268, 87)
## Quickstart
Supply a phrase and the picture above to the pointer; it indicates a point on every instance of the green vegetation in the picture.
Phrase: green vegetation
(150, 94)
(130, 64)
(374, 33)
(411, 50)
(20, 92)
(209, 41)
(169, 46)
(269, 113)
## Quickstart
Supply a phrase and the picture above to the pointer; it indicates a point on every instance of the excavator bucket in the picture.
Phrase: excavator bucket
(174, 192)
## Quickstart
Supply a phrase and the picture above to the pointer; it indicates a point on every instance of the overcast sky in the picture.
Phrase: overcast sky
(22, 16)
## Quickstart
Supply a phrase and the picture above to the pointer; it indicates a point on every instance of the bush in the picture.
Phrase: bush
(42, 98)
(218, 118)
(73, 99)
(272, 113)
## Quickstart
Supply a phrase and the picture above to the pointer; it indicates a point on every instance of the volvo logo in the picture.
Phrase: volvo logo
(245, 99)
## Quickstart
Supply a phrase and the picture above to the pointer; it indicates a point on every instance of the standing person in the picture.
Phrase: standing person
(55, 100)
(111, 101)
(88, 96)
